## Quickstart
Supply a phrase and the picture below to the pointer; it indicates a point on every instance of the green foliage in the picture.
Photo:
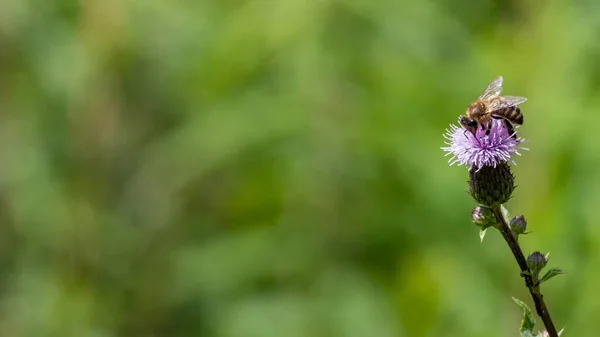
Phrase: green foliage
(482, 232)
(505, 213)
(273, 168)
(551, 273)
(528, 322)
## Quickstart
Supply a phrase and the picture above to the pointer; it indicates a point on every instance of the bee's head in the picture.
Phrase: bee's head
(468, 123)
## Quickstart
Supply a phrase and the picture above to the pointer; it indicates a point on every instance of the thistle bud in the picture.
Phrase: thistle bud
(491, 186)
(518, 224)
(536, 262)
(483, 216)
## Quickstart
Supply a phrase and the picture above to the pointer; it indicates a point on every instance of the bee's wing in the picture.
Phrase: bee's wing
(505, 102)
(493, 89)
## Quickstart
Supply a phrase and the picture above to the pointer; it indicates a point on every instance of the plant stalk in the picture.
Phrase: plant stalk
(534, 289)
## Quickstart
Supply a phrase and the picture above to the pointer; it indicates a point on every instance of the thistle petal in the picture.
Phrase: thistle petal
(481, 149)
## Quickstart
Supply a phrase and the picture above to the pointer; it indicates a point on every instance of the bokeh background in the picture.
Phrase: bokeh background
(263, 168)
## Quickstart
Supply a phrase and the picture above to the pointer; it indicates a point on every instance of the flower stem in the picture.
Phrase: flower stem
(534, 289)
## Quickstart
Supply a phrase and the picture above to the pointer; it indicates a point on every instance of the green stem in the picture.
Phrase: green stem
(534, 289)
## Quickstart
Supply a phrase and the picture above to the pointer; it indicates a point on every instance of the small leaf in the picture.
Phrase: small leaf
(551, 273)
(526, 273)
(547, 256)
(505, 214)
(482, 234)
(545, 333)
(528, 322)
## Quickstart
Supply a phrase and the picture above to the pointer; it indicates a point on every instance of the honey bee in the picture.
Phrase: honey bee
(491, 105)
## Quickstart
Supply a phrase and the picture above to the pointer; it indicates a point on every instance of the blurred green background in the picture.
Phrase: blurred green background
(268, 168)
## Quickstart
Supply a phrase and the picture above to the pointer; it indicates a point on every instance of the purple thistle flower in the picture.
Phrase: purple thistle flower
(476, 151)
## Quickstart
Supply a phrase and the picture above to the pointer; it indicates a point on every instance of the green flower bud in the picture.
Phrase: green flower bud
(483, 216)
(518, 224)
(536, 262)
(491, 186)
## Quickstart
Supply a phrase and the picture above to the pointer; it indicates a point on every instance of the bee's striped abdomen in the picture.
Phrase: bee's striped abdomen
(512, 114)
(516, 116)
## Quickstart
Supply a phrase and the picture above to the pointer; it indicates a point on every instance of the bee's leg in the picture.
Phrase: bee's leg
(510, 129)
(473, 133)
(489, 128)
